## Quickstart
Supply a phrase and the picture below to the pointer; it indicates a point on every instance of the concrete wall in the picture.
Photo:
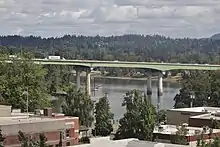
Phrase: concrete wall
(33, 127)
(175, 117)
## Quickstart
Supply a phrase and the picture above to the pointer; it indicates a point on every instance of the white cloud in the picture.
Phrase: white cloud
(176, 18)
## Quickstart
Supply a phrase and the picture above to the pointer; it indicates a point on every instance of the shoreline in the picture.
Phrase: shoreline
(171, 80)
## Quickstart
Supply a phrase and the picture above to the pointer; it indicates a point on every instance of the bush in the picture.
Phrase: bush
(84, 140)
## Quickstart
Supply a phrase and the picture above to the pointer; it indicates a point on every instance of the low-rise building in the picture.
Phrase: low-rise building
(205, 119)
(182, 115)
(166, 133)
(56, 127)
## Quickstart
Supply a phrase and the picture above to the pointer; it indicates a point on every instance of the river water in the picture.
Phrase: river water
(116, 89)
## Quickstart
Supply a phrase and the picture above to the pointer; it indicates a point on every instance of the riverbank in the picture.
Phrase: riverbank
(173, 79)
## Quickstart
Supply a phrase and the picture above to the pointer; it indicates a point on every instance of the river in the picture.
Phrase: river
(116, 89)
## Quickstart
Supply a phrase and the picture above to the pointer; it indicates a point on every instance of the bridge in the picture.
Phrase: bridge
(88, 65)
(126, 64)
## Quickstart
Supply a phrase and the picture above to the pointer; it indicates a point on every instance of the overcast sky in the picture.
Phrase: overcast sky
(175, 18)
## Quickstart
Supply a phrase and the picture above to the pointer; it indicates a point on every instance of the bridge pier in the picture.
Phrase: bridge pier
(159, 90)
(88, 82)
(149, 84)
(78, 84)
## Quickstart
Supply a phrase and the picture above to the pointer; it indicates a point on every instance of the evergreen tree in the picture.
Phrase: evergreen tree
(77, 103)
(139, 119)
(103, 117)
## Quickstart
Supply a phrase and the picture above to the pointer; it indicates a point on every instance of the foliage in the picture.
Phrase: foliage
(127, 47)
(17, 77)
(1, 139)
(204, 85)
(78, 104)
(42, 140)
(103, 117)
(139, 119)
(85, 140)
(162, 116)
(28, 141)
(180, 136)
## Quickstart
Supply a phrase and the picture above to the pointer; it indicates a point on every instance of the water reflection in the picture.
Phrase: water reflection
(116, 89)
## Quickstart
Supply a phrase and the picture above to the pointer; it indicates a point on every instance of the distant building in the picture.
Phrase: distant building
(204, 119)
(165, 133)
(182, 115)
(131, 142)
(47, 122)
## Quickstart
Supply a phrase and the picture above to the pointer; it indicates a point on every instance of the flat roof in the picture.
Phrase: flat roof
(197, 109)
(206, 116)
(171, 129)
(24, 119)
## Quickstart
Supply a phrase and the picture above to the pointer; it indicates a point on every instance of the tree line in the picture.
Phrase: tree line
(125, 48)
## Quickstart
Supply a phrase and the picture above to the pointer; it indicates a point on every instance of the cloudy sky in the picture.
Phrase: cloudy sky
(175, 18)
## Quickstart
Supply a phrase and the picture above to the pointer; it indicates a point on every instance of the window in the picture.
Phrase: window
(68, 144)
(67, 133)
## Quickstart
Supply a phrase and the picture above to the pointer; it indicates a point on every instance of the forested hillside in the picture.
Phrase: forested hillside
(127, 47)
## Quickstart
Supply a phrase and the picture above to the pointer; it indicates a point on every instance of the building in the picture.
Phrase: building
(182, 115)
(166, 133)
(106, 142)
(54, 126)
(204, 119)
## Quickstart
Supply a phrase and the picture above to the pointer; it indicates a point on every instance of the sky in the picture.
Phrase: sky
(46, 18)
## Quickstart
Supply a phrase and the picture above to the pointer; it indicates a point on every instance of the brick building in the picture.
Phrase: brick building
(54, 126)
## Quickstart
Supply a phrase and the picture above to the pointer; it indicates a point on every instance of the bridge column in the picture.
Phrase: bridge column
(88, 81)
(159, 90)
(149, 85)
(78, 85)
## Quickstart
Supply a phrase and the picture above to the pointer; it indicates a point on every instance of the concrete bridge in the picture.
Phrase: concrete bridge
(88, 65)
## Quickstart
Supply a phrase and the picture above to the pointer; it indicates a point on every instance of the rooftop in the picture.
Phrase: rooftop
(197, 109)
(24, 119)
(105, 141)
(171, 129)
(208, 116)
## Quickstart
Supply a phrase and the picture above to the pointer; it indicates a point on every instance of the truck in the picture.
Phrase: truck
(54, 57)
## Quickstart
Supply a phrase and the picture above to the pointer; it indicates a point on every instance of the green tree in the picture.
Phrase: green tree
(1, 139)
(42, 140)
(28, 141)
(103, 117)
(139, 119)
(180, 136)
(196, 83)
(162, 116)
(20, 76)
(204, 85)
(77, 103)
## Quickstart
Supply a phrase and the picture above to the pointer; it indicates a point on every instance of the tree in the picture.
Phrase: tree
(77, 103)
(162, 116)
(17, 77)
(180, 136)
(28, 141)
(42, 140)
(1, 139)
(139, 119)
(103, 117)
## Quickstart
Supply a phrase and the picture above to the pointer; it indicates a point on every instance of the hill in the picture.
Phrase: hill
(126, 47)
(216, 37)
